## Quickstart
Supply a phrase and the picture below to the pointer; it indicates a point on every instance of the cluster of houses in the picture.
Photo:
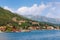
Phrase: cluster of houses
(13, 29)
(2, 28)
(30, 28)
(35, 26)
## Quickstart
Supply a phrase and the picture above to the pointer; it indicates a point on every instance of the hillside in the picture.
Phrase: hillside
(12, 22)
(9, 19)
(7, 16)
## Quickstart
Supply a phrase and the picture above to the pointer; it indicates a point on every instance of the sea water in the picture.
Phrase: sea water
(33, 35)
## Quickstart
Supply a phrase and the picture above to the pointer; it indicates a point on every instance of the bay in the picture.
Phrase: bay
(33, 35)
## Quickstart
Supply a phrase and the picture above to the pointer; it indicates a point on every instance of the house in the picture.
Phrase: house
(33, 28)
(13, 29)
(50, 27)
(19, 23)
(14, 19)
(35, 23)
(9, 25)
(22, 21)
(57, 28)
(2, 28)
(44, 27)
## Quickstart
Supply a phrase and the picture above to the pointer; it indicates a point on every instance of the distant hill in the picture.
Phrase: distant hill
(43, 19)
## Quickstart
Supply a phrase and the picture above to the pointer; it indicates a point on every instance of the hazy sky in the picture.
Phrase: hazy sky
(48, 8)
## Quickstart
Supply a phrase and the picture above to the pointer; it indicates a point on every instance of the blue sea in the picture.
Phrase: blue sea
(33, 35)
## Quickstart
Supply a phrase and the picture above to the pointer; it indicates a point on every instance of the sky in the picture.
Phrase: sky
(48, 8)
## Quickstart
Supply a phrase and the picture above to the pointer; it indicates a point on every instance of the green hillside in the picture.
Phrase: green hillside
(6, 17)
(10, 21)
